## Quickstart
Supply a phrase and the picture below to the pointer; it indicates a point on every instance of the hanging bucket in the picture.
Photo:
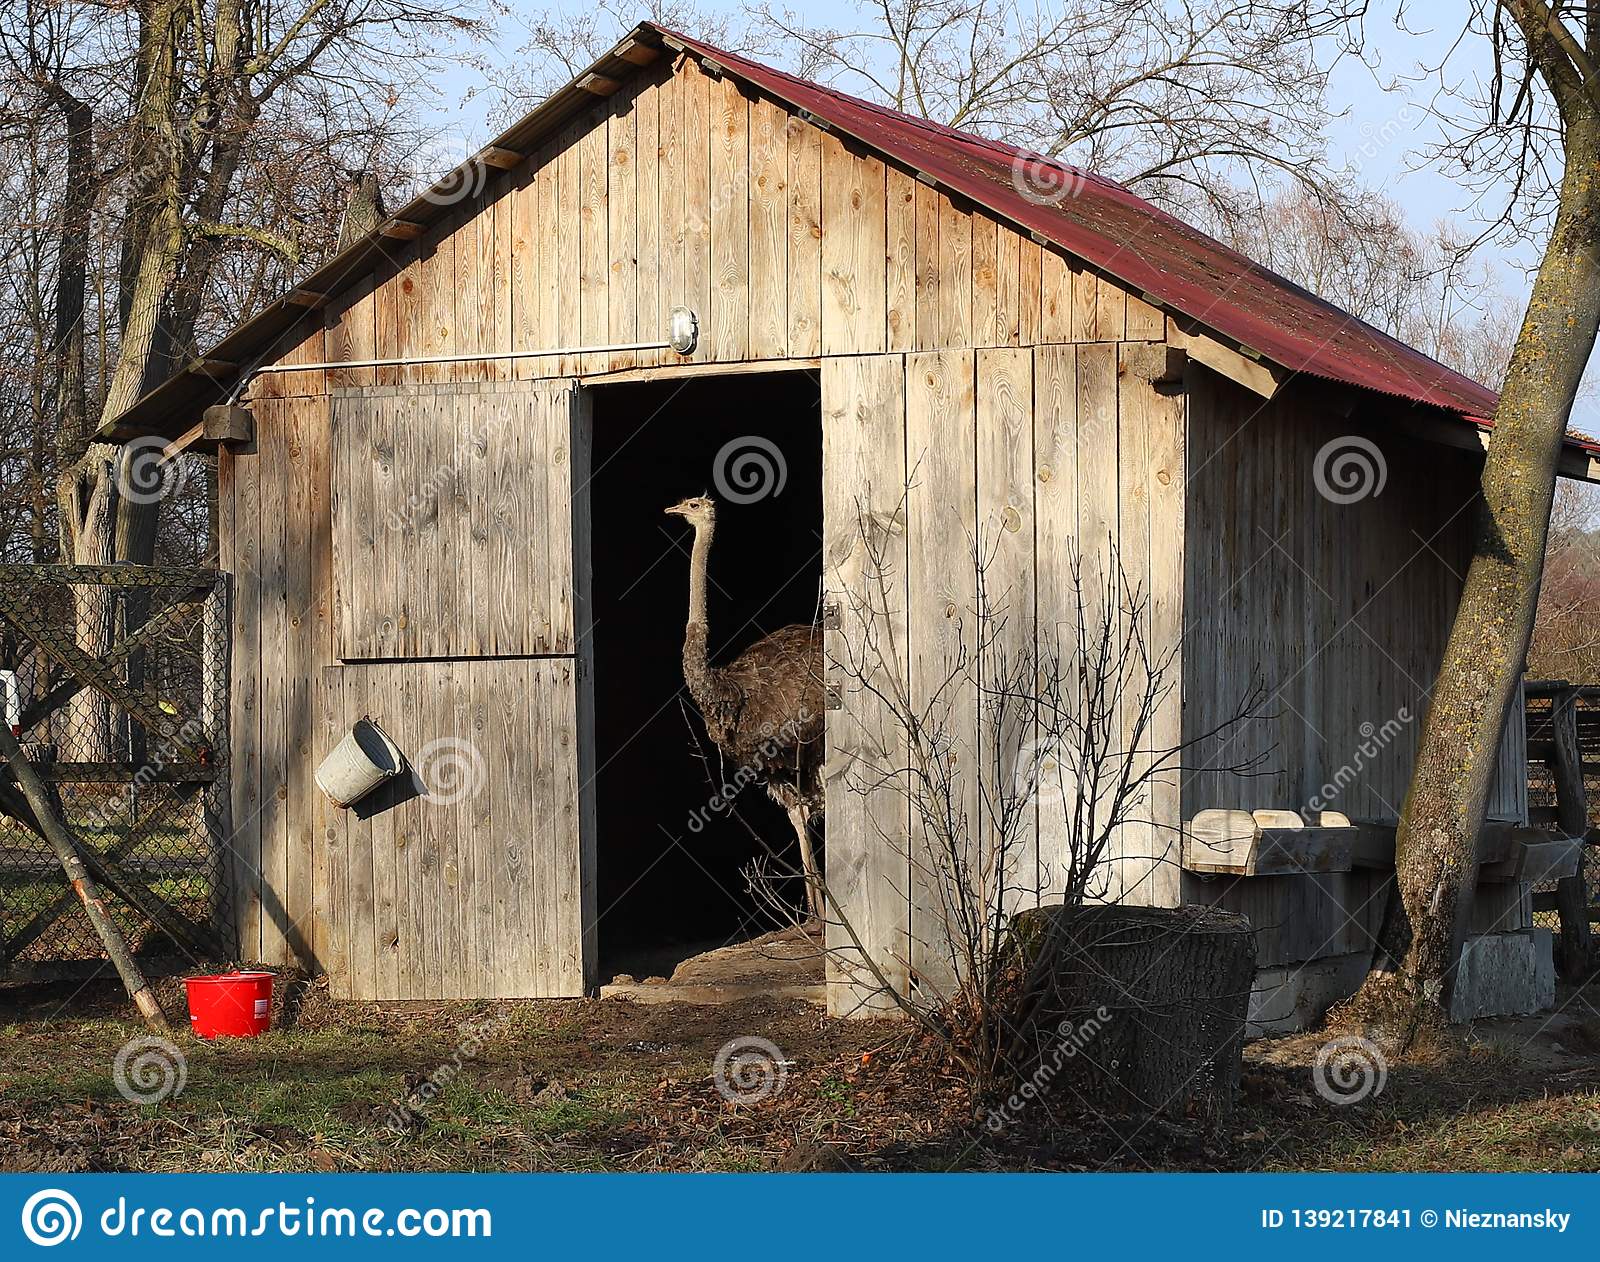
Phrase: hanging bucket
(363, 760)
(229, 1005)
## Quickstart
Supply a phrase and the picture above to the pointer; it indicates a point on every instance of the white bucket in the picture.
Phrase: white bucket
(363, 760)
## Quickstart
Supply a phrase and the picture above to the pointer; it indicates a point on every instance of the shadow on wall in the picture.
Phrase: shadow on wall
(669, 865)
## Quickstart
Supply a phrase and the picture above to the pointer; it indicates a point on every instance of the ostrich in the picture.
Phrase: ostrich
(765, 708)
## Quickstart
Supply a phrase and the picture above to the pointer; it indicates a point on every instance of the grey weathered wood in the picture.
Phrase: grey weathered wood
(867, 868)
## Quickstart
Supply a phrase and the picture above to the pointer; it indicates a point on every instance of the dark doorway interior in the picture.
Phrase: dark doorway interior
(665, 882)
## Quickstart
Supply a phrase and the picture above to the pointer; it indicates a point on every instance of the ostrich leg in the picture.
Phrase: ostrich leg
(800, 817)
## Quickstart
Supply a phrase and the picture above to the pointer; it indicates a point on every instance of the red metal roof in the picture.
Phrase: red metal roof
(1122, 234)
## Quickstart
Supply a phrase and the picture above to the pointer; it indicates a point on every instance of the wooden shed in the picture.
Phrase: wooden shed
(466, 425)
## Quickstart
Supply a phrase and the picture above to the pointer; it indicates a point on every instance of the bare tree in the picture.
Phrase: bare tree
(1203, 106)
(1541, 130)
(1027, 762)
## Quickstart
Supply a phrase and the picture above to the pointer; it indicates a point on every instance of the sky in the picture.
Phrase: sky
(1381, 132)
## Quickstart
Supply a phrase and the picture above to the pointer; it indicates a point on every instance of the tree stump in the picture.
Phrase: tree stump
(1137, 1009)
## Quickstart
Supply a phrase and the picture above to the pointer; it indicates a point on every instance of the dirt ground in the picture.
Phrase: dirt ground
(610, 1084)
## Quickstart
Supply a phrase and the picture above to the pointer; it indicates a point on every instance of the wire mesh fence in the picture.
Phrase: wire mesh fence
(1542, 793)
(115, 682)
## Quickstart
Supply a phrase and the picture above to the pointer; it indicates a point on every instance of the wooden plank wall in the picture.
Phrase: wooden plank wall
(432, 546)
(1341, 609)
(682, 189)
(476, 887)
(943, 456)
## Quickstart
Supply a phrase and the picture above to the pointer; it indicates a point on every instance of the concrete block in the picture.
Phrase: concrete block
(1505, 975)
(1288, 998)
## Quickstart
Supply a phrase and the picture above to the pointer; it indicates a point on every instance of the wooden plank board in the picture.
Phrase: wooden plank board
(985, 280)
(868, 873)
(805, 239)
(942, 527)
(306, 439)
(1030, 256)
(1007, 821)
(1055, 448)
(360, 978)
(236, 490)
(1056, 312)
(272, 440)
(853, 253)
(651, 319)
(727, 331)
(928, 262)
(1007, 283)
(955, 273)
(695, 99)
(594, 245)
(900, 209)
(332, 943)
(622, 208)
(674, 283)
(768, 213)
(1166, 483)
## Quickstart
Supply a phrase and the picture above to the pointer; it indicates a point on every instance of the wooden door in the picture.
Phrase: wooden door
(461, 562)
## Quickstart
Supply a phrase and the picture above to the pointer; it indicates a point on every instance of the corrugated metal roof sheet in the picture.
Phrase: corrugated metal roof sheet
(1092, 217)
(1122, 234)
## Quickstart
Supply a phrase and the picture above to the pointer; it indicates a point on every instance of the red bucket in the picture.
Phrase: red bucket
(230, 1005)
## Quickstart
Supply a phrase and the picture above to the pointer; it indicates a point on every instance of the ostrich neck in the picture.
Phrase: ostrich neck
(696, 670)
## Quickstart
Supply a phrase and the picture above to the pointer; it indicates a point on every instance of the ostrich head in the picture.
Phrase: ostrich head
(697, 510)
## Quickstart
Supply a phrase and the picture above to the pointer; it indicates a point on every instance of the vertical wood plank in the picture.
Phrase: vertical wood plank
(867, 864)
(1008, 278)
(728, 330)
(769, 215)
(928, 259)
(1055, 444)
(1056, 312)
(942, 527)
(1030, 257)
(985, 281)
(622, 140)
(805, 239)
(651, 321)
(1111, 310)
(237, 480)
(1006, 528)
(527, 247)
(955, 273)
(695, 97)
(1145, 323)
(594, 247)
(273, 441)
(901, 251)
(1085, 308)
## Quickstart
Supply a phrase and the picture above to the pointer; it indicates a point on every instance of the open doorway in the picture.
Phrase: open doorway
(671, 872)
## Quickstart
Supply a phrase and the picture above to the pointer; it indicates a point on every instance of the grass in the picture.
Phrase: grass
(613, 1086)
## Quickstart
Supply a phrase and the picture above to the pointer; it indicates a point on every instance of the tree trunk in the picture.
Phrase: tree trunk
(1483, 661)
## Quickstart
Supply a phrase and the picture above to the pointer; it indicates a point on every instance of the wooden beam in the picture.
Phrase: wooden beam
(1263, 378)
(183, 441)
(305, 298)
(401, 230)
(598, 84)
(69, 853)
(636, 51)
(228, 423)
(499, 159)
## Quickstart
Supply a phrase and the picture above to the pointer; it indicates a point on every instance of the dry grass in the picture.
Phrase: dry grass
(613, 1086)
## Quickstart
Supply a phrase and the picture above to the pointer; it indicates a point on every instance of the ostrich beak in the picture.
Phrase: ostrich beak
(676, 510)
